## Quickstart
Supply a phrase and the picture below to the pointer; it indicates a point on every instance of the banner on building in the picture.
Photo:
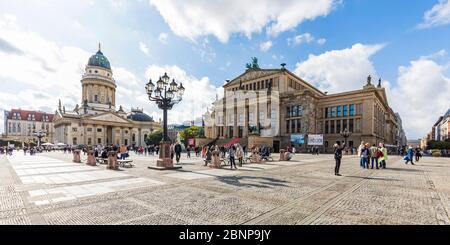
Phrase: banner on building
(297, 139)
(315, 139)
(191, 142)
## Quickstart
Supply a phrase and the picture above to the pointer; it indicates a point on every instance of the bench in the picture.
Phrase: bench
(101, 160)
(125, 163)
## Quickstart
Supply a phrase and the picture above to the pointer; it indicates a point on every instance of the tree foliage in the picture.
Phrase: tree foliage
(154, 138)
(439, 144)
(191, 132)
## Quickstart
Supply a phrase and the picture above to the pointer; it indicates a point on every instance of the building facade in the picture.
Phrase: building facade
(269, 106)
(98, 121)
(22, 125)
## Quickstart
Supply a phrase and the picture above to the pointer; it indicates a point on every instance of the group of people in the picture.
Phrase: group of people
(6, 150)
(212, 155)
(369, 156)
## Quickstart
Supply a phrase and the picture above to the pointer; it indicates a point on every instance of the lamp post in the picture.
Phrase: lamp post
(165, 94)
(346, 134)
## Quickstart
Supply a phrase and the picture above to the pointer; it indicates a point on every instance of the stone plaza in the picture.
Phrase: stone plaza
(50, 189)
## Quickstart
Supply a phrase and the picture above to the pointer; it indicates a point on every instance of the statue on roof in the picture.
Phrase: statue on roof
(369, 80)
(253, 64)
(379, 83)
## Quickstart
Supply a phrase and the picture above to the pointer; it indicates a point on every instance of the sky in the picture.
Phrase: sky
(333, 44)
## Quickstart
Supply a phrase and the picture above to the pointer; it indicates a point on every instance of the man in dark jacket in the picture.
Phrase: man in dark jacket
(338, 157)
(178, 151)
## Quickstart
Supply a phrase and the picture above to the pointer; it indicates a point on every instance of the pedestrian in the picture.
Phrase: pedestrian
(409, 156)
(232, 154)
(188, 150)
(374, 155)
(360, 148)
(365, 155)
(384, 156)
(122, 151)
(172, 151)
(239, 154)
(417, 153)
(293, 150)
(178, 151)
(338, 157)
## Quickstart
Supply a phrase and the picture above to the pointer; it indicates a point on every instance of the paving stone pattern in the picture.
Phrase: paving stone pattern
(50, 189)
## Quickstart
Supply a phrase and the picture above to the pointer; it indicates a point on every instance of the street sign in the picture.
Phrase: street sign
(315, 139)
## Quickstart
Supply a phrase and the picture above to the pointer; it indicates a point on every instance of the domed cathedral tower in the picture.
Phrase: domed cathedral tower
(98, 85)
(98, 121)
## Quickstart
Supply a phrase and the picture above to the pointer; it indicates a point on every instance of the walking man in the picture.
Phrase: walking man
(178, 151)
(231, 154)
(338, 158)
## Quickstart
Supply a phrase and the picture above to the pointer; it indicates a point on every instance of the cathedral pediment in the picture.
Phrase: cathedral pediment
(108, 117)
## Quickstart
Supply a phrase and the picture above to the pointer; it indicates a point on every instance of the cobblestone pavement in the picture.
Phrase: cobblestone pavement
(50, 189)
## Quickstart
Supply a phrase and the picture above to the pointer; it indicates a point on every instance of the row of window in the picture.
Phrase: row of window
(16, 127)
(294, 126)
(295, 85)
(294, 111)
(340, 111)
(90, 71)
(30, 117)
(337, 126)
(256, 85)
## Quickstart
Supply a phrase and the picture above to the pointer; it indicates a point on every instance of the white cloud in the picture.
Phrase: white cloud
(265, 46)
(339, 70)
(191, 19)
(421, 95)
(437, 16)
(321, 41)
(199, 95)
(302, 38)
(163, 38)
(305, 38)
(143, 47)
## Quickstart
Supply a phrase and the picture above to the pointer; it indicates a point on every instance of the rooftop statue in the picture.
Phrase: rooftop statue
(253, 65)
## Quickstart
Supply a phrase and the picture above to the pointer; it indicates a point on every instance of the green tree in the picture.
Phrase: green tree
(191, 132)
(154, 138)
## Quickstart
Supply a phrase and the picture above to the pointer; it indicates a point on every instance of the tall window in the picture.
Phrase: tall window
(287, 126)
(299, 125)
(338, 126)
(345, 110)
(352, 110)
(327, 127)
(288, 111)
(294, 111)
(293, 126)
(95, 98)
(339, 111)
(344, 124)
(14, 127)
(333, 111)
(332, 127)
(350, 125)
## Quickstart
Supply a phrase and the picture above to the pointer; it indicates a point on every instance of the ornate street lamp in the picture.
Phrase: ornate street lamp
(346, 134)
(165, 95)
(39, 134)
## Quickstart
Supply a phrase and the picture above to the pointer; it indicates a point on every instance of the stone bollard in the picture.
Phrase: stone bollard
(91, 159)
(112, 161)
(76, 156)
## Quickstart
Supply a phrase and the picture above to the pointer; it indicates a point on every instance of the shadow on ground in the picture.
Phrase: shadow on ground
(252, 181)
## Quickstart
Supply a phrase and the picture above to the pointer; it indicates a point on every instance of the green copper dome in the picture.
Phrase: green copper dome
(99, 60)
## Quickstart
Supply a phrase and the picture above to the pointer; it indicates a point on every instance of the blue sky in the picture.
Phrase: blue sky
(333, 44)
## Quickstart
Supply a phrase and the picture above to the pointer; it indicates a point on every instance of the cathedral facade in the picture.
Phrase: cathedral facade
(98, 121)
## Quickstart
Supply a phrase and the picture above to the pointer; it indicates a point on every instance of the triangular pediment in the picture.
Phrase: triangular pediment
(252, 74)
(108, 117)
